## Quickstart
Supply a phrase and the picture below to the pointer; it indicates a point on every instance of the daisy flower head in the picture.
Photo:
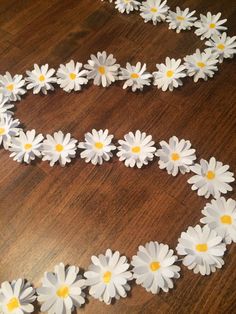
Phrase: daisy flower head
(5, 105)
(62, 290)
(12, 86)
(220, 215)
(8, 129)
(16, 297)
(135, 76)
(201, 65)
(154, 267)
(211, 178)
(102, 69)
(108, 276)
(137, 149)
(97, 147)
(71, 76)
(127, 5)
(203, 249)
(209, 24)
(154, 10)
(181, 19)
(176, 155)
(223, 45)
(26, 146)
(41, 79)
(59, 147)
(169, 74)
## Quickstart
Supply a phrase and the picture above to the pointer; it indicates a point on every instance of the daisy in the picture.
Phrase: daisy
(41, 79)
(108, 276)
(5, 105)
(59, 147)
(17, 297)
(201, 65)
(223, 45)
(135, 76)
(211, 178)
(153, 267)
(61, 290)
(97, 147)
(136, 149)
(102, 69)
(220, 215)
(154, 10)
(169, 74)
(209, 25)
(203, 248)
(12, 87)
(176, 156)
(26, 146)
(8, 128)
(181, 19)
(127, 5)
(71, 77)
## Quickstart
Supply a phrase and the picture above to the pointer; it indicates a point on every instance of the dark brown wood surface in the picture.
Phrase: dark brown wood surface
(49, 215)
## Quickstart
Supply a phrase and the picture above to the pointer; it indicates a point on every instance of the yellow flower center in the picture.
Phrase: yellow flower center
(154, 10)
(28, 146)
(201, 64)
(13, 304)
(101, 70)
(59, 148)
(42, 78)
(2, 131)
(10, 87)
(73, 76)
(98, 145)
(107, 276)
(136, 149)
(212, 25)
(154, 266)
(180, 18)
(202, 247)
(226, 219)
(210, 175)
(134, 75)
(221, 46)
(175, 156)
(63, 292)
(169, 73)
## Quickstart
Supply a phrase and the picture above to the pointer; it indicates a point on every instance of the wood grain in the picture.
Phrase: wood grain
(49, 215)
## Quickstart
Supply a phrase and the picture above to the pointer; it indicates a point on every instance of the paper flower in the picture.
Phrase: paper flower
(8, 128)
(16, 297)
(223, 45)
(176, 156)
(5, 105)
(59, 147)
(108, 276)
(181, 19)
(154, 10)
(209, 25)
(136, 149)
(135, 76)
(102, 69)
(169, 74)
(97, 147)
(127, 5)
(211, 178)
(153, 267)
(71, 77)
(41, 79)
(201, 65)
(12, 87)
(220, 215)
(61, 290)
(26, 146)
(203, 248)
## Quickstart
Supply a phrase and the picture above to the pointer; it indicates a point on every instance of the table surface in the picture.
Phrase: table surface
(49, 215)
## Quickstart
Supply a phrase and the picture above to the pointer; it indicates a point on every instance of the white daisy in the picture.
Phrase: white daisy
(61, 290)
(223, 45)
(209, 25)
(176, 156)
(153, 267)
(201, 65)
(203, 248)
(8, 129)
(211, 178)
(154, 10)
(12, 86)
(169, 74)
(26, 146)
(127, 5)
(108, 276)
(102, 69)
(17, 297)
(220, 215)
(59, 147)
(5, 105)
(135, 76)
(97, 147)
(181, 19)
(41, 79)
(136, 149)
(71, 77)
